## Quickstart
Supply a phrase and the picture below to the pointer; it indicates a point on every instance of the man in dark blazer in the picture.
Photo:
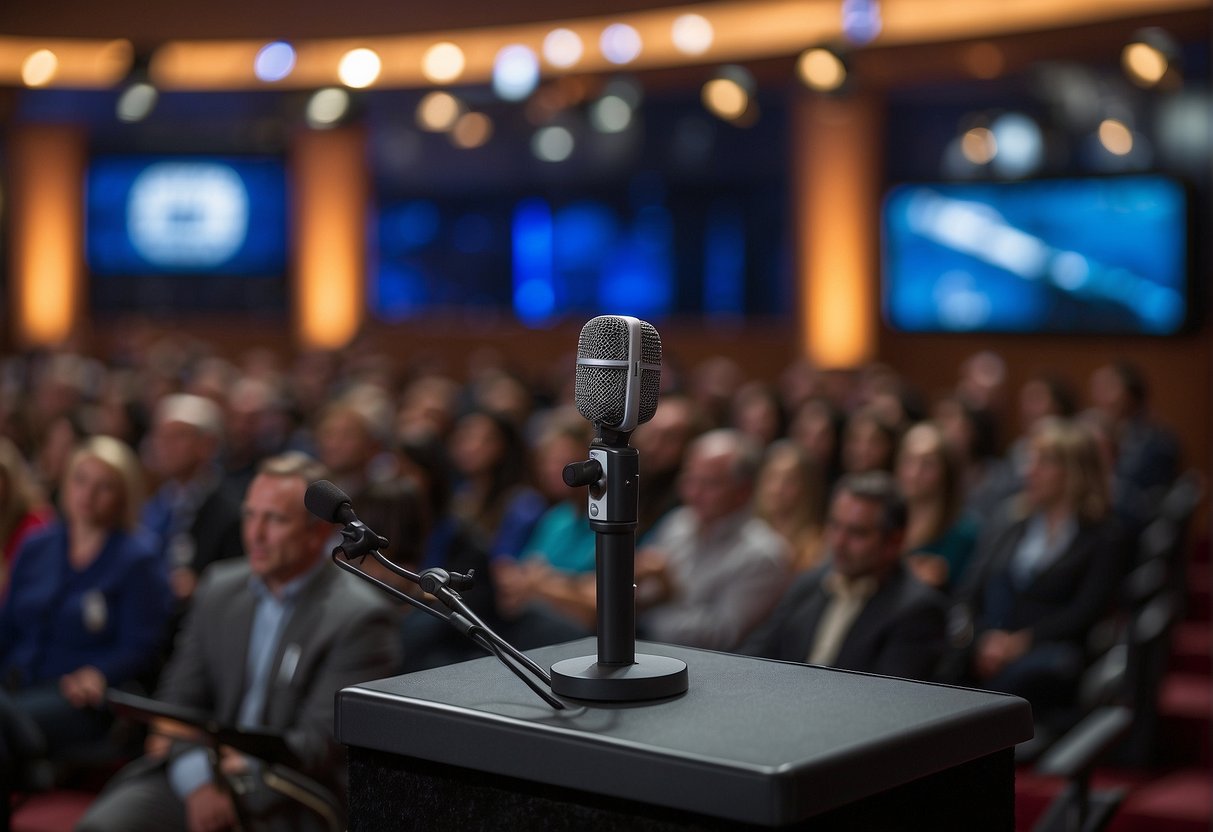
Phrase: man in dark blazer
(861, 610)
(268, 642)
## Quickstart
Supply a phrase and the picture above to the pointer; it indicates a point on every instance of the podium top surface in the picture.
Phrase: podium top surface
(752, 740)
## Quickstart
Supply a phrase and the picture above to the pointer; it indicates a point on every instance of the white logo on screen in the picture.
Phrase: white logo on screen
(191, 215)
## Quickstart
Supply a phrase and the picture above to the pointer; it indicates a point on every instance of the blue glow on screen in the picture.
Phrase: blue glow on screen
(534, 293)
(186, 215)
(724, 260)
(413, 225)
(639, 275)
(1081, 255)
(401, 292)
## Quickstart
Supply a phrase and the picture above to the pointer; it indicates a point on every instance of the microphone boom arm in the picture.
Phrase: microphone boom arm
(438, 582)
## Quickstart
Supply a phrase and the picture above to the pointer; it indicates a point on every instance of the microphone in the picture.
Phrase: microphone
(331, 504)
(618, 372)
(618, 380)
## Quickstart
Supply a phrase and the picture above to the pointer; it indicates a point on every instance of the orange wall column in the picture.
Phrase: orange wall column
(47, 175)
(836, 163)
(331, 194)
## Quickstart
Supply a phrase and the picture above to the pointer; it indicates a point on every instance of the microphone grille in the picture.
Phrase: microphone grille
(323, 499)
(601, 392)
(650, 380)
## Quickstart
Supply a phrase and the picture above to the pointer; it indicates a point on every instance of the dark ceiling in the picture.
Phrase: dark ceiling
(148, 21)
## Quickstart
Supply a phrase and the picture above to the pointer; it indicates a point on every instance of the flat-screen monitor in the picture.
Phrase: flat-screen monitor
(1092, 255)
(197, 215)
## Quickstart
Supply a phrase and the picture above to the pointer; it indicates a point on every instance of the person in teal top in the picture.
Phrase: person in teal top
(940, 538)
(563, 538)
(562, 544)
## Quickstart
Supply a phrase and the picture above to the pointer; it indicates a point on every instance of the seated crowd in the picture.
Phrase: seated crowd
(835, 519)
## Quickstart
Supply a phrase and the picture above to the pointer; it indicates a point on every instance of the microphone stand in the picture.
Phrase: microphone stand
(616, 674)
(361, 541)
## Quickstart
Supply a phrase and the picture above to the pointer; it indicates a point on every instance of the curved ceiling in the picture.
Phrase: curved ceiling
(150, 22)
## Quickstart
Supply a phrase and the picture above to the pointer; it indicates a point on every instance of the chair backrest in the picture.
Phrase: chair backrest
(1182, 498)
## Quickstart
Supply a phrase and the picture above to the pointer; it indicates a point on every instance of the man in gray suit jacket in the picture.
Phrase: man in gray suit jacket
(862, 610)
(268, 642)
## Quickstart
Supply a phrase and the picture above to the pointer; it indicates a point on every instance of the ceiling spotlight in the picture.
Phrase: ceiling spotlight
(552, 144)
(620, 43)
(728, 94)
(471, 130)
(437, 112)
(327, 107)
(39, 68)
(443, 63)
(821, 69)
(515, 72)
(1116, 137)
(692, 34)
(979, 145)
(610, 114)
(562, 48)
(359, 68)
(861, 20)
(1020, 144)
(1149, 57)
(274, 61)
(137, 102)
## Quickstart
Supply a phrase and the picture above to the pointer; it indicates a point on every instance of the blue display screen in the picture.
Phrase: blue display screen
(1096, 255)
(186, 215)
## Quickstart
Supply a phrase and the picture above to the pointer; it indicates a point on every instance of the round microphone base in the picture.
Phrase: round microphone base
(650, 677)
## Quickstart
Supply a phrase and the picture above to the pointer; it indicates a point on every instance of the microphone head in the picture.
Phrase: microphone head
(325, 500)
(618, 371)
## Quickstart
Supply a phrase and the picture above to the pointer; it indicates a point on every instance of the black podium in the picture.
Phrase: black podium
(752, 744)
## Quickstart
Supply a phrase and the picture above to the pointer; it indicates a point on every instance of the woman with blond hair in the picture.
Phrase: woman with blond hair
(789, 495)
(1045, 571)
(87, 607)
(22, 508)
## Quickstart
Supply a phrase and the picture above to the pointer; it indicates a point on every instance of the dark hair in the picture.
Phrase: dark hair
(877, 487)
(1134, 381)
(429, 454)
(1061, 392)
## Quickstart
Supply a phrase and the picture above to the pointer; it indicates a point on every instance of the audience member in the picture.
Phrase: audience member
(427, 408)
(939, 535)
(493, 495)
(862, 609)
(869, 442)
(757, 412)
(351, 435)
(298, 629)
(1147, 453)
(788, 496)
(87, 606)
(22, 506)
(256, 427)
(1044, 572)
(563, 544)
(713, 383)
(817, 427)
(986, 478)
(193, 518)
(1040, 397)
(712, 569)
(662, 443)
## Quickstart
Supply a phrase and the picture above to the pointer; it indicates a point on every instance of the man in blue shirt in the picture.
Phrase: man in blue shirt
(267, 643)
